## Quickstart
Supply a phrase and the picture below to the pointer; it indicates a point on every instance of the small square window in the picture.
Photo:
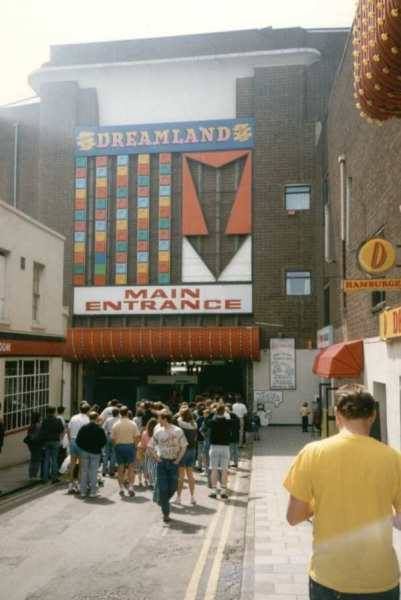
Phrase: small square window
(298, 283)
(297, 197)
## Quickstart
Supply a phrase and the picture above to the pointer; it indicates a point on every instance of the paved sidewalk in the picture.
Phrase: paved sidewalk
(277, 555)
(14, 478)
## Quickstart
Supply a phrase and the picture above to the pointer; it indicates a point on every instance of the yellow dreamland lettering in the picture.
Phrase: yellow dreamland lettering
(207, 134)
(103, 140)
(117, 139)
(131, 138)
(191, 137)
(162, 136)
(144, 140)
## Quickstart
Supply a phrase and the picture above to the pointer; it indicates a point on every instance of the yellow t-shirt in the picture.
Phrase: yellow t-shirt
(353, 483)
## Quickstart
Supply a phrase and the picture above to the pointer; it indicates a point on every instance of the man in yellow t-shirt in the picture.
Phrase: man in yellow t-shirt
(351, 485)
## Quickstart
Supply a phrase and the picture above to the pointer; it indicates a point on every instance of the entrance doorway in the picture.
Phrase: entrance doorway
(379, 429)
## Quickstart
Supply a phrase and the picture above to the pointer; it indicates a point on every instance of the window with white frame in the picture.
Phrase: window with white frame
(297, 197)
(298, 283)
(37, 280)
(26, 390)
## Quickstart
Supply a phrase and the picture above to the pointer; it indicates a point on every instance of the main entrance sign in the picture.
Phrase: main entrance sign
(198, 136)
(166, 300)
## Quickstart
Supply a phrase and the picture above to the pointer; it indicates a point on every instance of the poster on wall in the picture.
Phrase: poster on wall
(282, 364)
(265, 401)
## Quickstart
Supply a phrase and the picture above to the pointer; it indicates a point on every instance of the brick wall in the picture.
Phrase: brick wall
(372, 161)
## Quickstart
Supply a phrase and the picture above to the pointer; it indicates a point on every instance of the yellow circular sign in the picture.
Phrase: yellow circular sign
(377, 256)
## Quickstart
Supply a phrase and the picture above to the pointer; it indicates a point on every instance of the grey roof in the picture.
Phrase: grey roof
(229, 42)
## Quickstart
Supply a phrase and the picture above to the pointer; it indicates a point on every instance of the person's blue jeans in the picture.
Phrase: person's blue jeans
(234, 453)
(109, 458)
(167, 483)
(319, 592)
(50, 464)
(89, 464)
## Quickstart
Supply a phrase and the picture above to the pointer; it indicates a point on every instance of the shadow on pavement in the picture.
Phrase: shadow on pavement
(192, 510)
(184, 527)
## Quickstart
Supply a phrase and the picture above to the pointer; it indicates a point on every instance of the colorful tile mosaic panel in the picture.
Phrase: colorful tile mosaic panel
(164, 256)
(121, 248)
(80, 222)
(143, 215)
(101, 194)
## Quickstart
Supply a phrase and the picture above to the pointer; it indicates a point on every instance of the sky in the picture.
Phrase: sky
(29, 27)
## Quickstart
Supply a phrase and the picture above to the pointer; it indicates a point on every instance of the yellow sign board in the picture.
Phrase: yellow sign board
(390, 324)
(377, 256)
(351, 286)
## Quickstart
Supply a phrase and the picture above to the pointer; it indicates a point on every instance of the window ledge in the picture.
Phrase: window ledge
(38, 327)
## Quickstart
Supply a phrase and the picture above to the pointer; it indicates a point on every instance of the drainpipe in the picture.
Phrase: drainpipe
(343, 226)
(15, 164)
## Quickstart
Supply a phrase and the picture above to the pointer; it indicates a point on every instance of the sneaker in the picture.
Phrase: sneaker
(131, 492)
(75, 487)
(166, 519)
(71, 488)
(178, 500)
(94, 495)
(193, 501)
(83, 496)
(224, 495)
(213, 495)
(122, 493)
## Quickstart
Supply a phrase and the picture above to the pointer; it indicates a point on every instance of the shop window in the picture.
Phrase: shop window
(298, 283)
(26, 390)
(297, 197)
(377, 300)
(38, 270)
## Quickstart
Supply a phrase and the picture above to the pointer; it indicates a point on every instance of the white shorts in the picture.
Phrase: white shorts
(219, 457)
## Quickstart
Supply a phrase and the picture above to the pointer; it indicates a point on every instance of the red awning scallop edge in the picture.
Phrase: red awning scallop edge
(163, 343)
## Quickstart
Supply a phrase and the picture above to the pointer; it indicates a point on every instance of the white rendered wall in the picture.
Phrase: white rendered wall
(383, 365)
(166, 91)
(307, 386)
(22, 237)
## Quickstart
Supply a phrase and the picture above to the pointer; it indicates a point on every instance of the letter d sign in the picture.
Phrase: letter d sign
(377, 256)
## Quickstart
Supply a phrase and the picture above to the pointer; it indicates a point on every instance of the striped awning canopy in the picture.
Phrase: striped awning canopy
(340, 361)
(163, 343)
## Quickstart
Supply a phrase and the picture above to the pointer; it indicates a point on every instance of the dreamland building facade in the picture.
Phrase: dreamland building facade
(185, 175)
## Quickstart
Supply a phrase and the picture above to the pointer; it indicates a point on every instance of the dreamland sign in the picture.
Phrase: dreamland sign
(199, 136)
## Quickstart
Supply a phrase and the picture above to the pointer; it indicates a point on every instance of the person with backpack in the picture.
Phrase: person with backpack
(35, 446)
(187, 423)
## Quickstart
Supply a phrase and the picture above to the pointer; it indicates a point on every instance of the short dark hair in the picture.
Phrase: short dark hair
(124, 411)
(60, 410)
(114, 402)
(84, 408)
(51, 410)
(353, 401)
(221, 409)
(115, 412)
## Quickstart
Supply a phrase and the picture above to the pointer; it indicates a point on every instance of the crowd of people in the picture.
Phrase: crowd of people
(157, 448)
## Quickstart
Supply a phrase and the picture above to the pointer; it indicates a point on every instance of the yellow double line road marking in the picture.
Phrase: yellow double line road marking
(213, 582)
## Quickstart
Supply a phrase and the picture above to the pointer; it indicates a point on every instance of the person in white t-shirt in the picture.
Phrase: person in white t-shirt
(108, 411)
(241, 411)
(74, 425)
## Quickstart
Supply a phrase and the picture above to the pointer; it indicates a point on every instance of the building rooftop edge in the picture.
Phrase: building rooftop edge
(31, 220)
